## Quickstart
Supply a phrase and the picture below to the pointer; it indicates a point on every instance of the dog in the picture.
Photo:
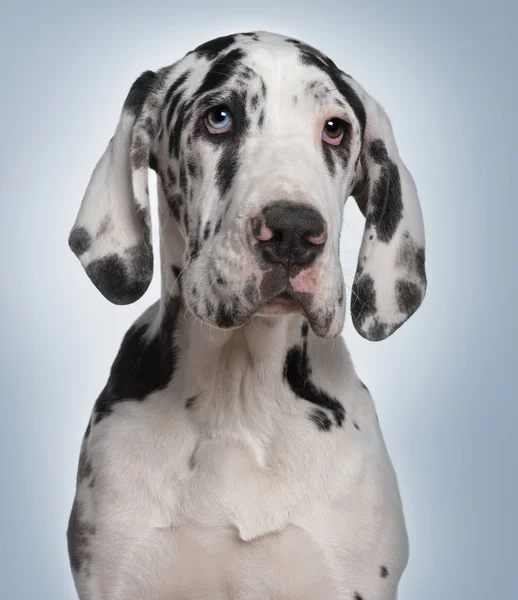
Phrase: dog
(234, 453)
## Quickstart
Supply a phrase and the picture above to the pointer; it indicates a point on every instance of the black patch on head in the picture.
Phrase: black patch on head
(173, 96)
(213, 47)
(221, 71)
(363, 299)
(385, 197)
(321, 420)
(79, 241)
(383, 572)
(408, 296)
(78, 538)
(183, 117)
(297, 372)
(141, 366)
(123, 280)
(311, 56)
(139, 91)
(252, 34)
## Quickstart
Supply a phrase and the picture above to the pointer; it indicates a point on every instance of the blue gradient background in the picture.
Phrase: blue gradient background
(444, 385)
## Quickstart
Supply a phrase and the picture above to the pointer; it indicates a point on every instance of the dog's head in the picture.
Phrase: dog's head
(257, 141)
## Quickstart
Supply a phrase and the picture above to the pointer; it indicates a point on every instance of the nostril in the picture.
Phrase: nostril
(259, 229)
(316, 240)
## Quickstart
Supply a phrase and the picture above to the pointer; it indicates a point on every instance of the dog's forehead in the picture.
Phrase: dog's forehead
(273, 60)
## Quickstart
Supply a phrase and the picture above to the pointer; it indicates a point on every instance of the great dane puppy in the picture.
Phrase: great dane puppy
(234, 452)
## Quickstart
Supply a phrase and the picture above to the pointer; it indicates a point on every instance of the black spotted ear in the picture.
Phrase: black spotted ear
(390, 281)
(112, 233)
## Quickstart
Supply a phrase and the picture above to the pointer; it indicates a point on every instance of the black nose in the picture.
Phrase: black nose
(289, 233)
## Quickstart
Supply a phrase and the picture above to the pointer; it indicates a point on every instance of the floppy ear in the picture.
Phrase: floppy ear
(390, 280)
(112, 233)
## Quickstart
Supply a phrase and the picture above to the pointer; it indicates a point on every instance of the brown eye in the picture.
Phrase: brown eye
(333, 131)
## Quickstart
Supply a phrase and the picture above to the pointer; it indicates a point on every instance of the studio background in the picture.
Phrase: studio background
(444, 384)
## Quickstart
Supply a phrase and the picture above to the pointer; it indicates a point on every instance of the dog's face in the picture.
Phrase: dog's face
(257, 140)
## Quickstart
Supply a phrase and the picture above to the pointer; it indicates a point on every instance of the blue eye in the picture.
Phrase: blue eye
(218, 119)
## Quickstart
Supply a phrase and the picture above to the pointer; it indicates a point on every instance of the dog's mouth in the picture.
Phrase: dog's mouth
(281, 304)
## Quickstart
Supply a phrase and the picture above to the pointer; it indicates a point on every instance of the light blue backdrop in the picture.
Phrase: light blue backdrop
(445, 384)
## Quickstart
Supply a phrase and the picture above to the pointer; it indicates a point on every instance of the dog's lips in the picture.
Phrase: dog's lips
(281, 304)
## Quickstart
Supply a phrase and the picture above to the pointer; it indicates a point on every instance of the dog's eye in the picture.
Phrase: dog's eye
(333, 131)
(218, 119)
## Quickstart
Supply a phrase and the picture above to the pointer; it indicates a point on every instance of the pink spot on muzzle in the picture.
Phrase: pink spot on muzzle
(306, 281)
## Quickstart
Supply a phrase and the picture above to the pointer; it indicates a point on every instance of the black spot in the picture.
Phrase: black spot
(145, 222)
(385, 198)
(356, 426)
(363, 385)
(224, 316)
(142, 366)
(254, 102)
(363, 299)
(293, 41)
(153, 163)
(408, 296)
(340, 299)
(304, 329)
(322, 421)
(175, 203)
(329, 159)
(123, 280)
(169, 103)
(252, 35)
(206, 231)
(171, 175)
(378, 152)
(378, 330)
(221, 71)
(220, 280)
(358, 596)
(420, 265)
(227, 167)
(139, 91)
(79, 241)
(183, 117)
(218, 226)
(85, 465)
(177, 274)
(213, 47)
(78, 537)
(297, 372)
(384, 572)
(190, 401)
(260, 120)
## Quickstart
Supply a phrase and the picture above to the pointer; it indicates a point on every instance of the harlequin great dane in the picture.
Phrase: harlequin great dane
(234, 452)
